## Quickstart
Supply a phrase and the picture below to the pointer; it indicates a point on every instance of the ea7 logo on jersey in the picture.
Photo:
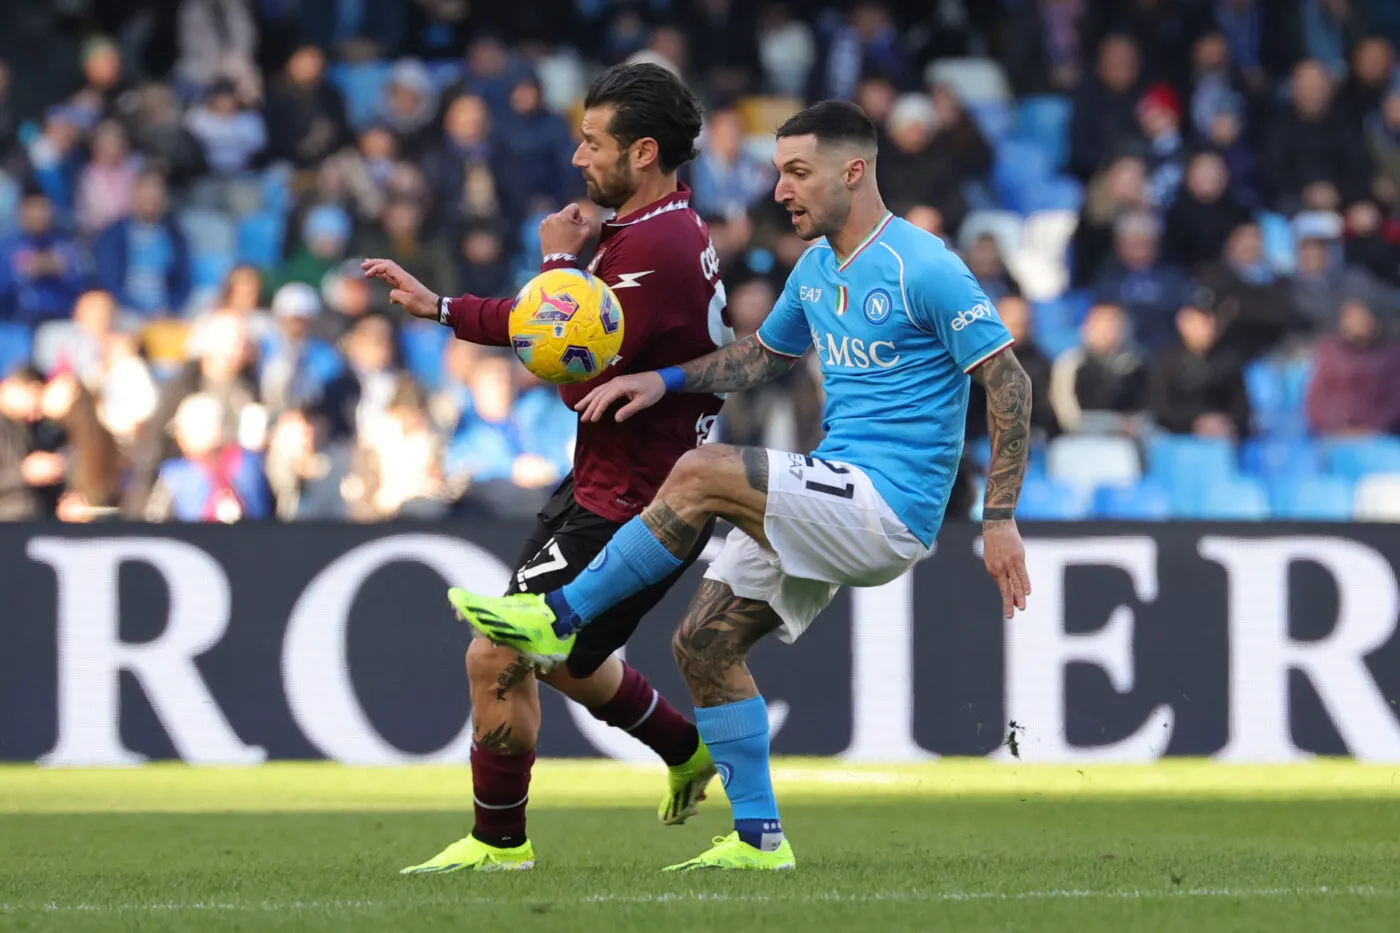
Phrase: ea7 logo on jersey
(808, 293)
(973, 314)
(629, 279)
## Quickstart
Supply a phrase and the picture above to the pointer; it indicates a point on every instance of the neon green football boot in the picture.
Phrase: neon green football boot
(471, 854)
(521, 622)
(688, 782)
(731, 854)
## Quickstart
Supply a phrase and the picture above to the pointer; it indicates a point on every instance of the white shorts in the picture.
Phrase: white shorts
(829, 527)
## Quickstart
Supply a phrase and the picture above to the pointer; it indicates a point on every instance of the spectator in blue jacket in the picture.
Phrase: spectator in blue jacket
(539, 145)
(144, 259)
(1135, 280)
(725, 180)
(42, 271)
(212, 480)
(507, 437)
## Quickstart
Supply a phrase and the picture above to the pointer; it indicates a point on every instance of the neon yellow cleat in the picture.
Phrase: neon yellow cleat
(471, 854)
(521, 622)
(688, 782)
(730, 854)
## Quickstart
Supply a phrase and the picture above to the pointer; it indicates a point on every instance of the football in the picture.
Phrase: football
(566, 326)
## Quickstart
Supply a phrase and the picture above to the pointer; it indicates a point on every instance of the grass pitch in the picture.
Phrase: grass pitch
(953, 845)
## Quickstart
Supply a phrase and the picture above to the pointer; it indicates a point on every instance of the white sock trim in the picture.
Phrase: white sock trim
(498, 806)
(655, 698)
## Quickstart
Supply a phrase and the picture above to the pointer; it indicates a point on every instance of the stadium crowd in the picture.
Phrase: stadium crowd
(1185, 210)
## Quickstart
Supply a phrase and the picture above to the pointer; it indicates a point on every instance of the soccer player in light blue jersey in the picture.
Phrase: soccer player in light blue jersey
(898, 323)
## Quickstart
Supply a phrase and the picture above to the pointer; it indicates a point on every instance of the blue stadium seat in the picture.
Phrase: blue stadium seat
(361, 84)
(1019, 166)
(209, 231)
(1044, 119)
(446, 72)
(1353, 459)
(422, 344)
(1044, 499)
(1236, 498)
(208, 270)
(1060, 193)
(277, 194)
(1279, 247)
(1311, 498)
(16, 345)
(1146, 501)
(994, 118)
(1089, 460)
(260, 240)
(1187, 466)
(1277, 458)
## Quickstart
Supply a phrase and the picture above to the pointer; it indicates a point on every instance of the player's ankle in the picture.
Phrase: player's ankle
(499, 840)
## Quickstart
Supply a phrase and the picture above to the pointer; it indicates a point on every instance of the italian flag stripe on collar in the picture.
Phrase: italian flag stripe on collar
(869, 238)
(842, 300)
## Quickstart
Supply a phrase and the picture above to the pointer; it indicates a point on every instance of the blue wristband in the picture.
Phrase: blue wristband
(673, 378)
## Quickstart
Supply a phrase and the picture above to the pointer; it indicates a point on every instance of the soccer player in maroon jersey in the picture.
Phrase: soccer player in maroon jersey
(639, 126)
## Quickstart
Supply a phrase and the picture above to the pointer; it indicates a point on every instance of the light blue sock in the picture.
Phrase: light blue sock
(737, 737)
(632, 561)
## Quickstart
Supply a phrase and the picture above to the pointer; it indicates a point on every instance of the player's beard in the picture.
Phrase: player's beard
(831, 217)
(612, 190)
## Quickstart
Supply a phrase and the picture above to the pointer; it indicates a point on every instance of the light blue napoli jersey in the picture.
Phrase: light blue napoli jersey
(897, 327)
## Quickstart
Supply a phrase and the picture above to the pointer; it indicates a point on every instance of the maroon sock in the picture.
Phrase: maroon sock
(641, 710)
(500, 789)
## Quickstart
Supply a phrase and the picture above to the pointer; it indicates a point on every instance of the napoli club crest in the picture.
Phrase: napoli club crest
(878, 306)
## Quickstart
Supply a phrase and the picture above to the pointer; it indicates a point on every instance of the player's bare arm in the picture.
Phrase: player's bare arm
(742, 365)
(713, 641)
(1009, 424)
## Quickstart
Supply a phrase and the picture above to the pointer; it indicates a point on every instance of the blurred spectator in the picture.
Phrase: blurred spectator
(911, 170)
(539, 146)
(482, 269)
(359, 31)
(1253, 33)
(1159, 119)
(726, 180)
(1329, 29)
(306, 119)
(1203, 215)
(500, 440)
(927, 218)
(56, 156)
(362, 392)
(957, 140)
(305, 469)
(106, 182)
(1252, 307)
(1383, 143)
(350, 297)
(876, 96)
(985, 263)
(29, 475)
(1226, 138)
(1163, 29)
(42, 270)
(1015, 313)
(1371, 244)
(787, 50)
(1213, 90)
(222, 372)
(468, 172)
(866, 43)
(94, 314)
(1193, 391)
(724, 45)
(398, 466)
(1119, 188)
(297, 365)
(232, 135)
(409, 105)
(102, 79)
(1105, 374)
(160, 136)
(213, 479)
(9, 118)
(1044, 48)
(325, 237)
(94, 462)
(1104, 106)
(128, 393)
(491, 74)
(1370, 80)
(143, 260)
(1314, 157)
(400, 237)
(1323, 281)
(218, 40)
(1355, 387)
(1136, 280)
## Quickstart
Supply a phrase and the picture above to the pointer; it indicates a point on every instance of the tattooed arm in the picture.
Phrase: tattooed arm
(1009, 420)
(738, 366)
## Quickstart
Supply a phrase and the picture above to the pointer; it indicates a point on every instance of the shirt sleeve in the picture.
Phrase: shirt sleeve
(785, 330)
(953, 306)
(487, 320)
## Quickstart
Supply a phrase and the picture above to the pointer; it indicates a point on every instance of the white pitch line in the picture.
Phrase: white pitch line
(705, 897)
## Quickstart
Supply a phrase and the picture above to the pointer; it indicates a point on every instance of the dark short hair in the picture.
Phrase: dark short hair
(650, 101)
(831, 121)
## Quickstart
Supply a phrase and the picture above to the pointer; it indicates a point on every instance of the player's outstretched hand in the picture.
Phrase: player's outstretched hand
(415, 297)
(1005, 556)
(564, 231)
(642, 390)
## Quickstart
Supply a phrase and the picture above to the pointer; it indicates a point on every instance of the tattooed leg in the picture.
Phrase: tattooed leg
(505, 698)
(716, 479)
(713, 641)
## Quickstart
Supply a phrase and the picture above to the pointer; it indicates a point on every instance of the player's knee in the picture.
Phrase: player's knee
(693, 477)
(489, 666)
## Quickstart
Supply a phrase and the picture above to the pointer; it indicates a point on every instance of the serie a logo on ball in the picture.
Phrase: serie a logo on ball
(566, 326)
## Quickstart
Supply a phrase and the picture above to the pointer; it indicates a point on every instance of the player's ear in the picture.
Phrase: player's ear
(644, 152)
(855, 171)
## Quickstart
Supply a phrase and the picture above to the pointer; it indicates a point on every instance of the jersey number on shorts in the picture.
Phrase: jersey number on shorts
(847, 491)
(548, 560)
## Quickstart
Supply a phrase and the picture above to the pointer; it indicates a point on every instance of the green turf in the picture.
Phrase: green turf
(949, 846)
